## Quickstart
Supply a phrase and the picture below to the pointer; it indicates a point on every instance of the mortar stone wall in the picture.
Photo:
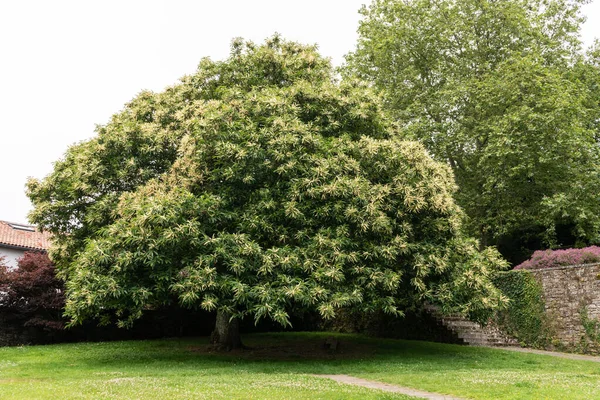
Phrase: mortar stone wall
(566, 291)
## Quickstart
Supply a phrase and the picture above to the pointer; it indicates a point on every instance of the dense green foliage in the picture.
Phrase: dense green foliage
(501, 91)
(255, 186)
(591, 340)
(178, 369)
(525, 317)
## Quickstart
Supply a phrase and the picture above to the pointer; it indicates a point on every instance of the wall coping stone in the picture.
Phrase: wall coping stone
(558, 268)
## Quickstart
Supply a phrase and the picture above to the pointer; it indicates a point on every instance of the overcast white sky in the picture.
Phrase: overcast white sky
(66, 66)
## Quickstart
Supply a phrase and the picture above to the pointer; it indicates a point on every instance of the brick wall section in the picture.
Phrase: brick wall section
(566, 290)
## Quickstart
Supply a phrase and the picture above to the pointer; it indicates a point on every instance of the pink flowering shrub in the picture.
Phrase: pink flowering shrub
(558, 258)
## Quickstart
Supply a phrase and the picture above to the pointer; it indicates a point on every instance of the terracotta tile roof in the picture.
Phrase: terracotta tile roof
(23, 236)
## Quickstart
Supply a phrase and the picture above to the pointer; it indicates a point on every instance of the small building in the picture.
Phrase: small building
(16, 239)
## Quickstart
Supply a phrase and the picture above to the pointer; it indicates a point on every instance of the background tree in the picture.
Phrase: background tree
(493, 89)
(257, 186)
(587, 72)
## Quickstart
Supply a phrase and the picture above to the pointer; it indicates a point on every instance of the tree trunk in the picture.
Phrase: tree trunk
(483, 239)
(226, 335)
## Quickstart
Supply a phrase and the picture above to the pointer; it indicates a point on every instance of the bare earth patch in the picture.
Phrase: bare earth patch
(296, 350)
(351, 380)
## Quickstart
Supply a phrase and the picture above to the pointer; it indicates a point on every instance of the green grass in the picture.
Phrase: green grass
(182, 369)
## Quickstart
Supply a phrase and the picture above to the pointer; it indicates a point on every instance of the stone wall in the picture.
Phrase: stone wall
(568, 291)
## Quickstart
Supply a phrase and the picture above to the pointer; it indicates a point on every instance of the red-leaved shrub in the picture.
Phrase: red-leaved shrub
(559, 258)
(32, 292)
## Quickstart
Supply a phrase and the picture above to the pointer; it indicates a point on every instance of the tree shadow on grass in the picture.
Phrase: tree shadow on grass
(299, 349)
(297, 352)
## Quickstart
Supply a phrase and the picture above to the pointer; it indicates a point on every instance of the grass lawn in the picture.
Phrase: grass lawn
(280, 366)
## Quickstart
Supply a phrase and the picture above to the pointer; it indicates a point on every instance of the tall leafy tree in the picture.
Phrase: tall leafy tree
(587, 72)
(256, 186)
(492, 88)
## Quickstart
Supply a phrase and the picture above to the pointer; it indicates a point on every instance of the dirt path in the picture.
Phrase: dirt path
(350, 380)
(551, 353)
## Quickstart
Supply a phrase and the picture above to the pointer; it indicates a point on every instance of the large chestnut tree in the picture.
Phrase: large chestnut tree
(254, 187)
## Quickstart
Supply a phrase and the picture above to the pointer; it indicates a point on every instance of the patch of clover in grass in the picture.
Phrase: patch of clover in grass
(520, 379)
(7, 363)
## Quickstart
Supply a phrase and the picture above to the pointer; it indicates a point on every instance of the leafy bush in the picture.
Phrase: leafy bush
(525, 318)
(32, 292)
(590, 342)
(557, 258)
(32, 305)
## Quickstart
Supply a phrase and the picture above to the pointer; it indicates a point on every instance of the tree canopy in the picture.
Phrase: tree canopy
(502, 92)
(256, 186)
